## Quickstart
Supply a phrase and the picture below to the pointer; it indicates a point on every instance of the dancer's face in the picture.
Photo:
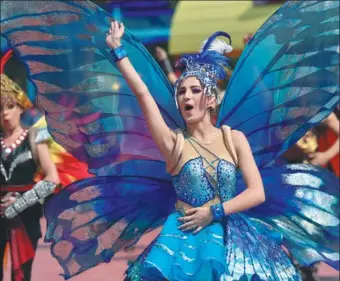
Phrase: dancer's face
(192, 102)
(10, 113)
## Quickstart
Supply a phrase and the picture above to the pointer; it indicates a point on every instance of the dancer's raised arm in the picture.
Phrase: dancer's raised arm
(161, 133)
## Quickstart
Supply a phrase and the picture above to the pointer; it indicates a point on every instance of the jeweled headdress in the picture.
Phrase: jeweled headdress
(208, 66)
(11, 91)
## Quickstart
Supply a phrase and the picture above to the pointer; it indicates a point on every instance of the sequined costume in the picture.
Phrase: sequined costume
(219, 251)
(285, 83)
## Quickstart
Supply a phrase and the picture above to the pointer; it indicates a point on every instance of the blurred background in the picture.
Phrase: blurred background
(178, 27)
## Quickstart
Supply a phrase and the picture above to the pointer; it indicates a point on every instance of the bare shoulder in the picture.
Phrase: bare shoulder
(238, 137)
(241, 143)
(237, 134)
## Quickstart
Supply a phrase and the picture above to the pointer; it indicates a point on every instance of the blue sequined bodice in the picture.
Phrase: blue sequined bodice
(193, 186)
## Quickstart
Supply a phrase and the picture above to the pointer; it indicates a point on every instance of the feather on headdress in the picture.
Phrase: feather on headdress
(208, 66)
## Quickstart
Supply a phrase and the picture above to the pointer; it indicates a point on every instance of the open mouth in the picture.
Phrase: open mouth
(188, 107)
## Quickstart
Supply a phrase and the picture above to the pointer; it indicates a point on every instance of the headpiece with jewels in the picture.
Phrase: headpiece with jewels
(208, 66)
(11, 90)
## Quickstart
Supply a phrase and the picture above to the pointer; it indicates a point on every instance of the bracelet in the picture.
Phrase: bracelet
(217, 211)
(118, 53)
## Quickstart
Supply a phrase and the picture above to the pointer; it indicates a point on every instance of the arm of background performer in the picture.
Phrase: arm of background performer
(46, 163)
(164, 61)
(322, 158)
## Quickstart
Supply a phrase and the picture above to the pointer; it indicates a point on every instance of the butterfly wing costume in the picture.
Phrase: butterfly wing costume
(285, 82)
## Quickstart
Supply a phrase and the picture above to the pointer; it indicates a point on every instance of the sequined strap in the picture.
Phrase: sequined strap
(176, 153)
(228, 140)
(182, 207)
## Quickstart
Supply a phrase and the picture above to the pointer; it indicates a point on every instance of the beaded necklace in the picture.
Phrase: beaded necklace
(7, 150)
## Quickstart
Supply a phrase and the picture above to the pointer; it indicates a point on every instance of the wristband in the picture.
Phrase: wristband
(118, 53)
(217, 212)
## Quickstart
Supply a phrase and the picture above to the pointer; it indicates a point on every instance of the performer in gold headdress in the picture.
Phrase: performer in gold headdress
(11, 91)
(20, 195)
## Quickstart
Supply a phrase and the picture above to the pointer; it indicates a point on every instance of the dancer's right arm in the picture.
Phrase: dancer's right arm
(160, 132)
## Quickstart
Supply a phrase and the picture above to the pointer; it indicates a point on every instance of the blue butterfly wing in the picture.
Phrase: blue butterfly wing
(92, 113)
(91, 220)
(302, 205)
(89, 108)
(287, 78)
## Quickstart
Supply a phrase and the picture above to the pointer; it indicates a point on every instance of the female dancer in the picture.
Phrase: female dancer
(93, 113)
(202, 162)
(22, 150)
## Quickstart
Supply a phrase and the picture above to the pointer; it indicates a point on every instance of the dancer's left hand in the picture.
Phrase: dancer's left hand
(196, 219)
(6, 201)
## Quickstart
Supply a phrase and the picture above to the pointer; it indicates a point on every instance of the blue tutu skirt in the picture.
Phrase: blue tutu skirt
(237, 249)
(178, 255)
